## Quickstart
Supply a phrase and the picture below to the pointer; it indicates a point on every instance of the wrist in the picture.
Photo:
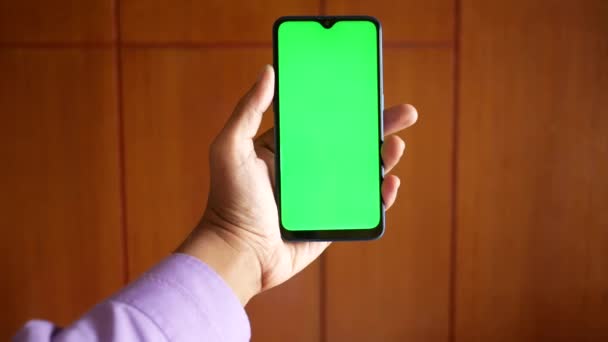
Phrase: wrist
(233, 261)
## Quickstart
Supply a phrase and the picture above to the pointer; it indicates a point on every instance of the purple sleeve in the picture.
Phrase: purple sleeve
(180, 299)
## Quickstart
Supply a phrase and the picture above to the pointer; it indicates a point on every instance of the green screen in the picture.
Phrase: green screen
(329, 125)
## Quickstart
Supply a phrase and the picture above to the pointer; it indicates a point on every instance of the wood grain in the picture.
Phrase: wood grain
(61, 232)
(396, 288)
(533, 192)
(176, 101)
(239, 21)
(56, 21)
(409, 21)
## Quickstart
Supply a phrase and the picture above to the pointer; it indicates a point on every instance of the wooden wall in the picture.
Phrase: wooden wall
(501, 229)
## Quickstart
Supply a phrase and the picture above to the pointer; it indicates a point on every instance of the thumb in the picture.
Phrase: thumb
(247, 116)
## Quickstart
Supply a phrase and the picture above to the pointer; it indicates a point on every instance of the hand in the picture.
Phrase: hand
(239, 235)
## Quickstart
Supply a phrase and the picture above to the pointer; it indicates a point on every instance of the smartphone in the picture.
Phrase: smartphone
(328, 127)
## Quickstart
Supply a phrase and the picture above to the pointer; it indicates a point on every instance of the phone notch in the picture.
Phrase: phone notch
(327, 22)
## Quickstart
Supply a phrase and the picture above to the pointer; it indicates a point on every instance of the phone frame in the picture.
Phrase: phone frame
(337, 234)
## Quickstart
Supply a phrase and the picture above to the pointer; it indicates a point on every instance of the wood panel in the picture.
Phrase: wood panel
(56, 21)
(176, 101)
(533, 192)
(403, 21)
(289, 312)
(396, 288)
(61, 232)
(207, 21)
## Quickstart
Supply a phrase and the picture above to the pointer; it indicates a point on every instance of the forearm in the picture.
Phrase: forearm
(181, 299)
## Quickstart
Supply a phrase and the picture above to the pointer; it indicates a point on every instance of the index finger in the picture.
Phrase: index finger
(399, 117)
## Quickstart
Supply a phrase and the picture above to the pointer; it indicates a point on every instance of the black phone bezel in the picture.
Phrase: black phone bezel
(338, 234)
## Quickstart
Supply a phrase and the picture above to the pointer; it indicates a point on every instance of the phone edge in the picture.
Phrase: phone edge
(365, 234)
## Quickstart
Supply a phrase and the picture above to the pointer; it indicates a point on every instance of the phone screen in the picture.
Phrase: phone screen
(328, 117)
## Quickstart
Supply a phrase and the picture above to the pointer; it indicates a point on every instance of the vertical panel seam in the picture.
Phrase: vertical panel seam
(323, 298)
(455, 149)
(121, 139)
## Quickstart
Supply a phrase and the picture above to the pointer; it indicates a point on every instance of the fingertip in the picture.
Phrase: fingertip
(390, 187)
(392, 151)
(401, 144)
(412, 113)
(399, 117)
(266, 72)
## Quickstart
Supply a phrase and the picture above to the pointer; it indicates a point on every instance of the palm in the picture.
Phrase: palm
(242, 202)
(285, 258)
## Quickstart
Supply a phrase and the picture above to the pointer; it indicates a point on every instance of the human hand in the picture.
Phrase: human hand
(239, 234)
